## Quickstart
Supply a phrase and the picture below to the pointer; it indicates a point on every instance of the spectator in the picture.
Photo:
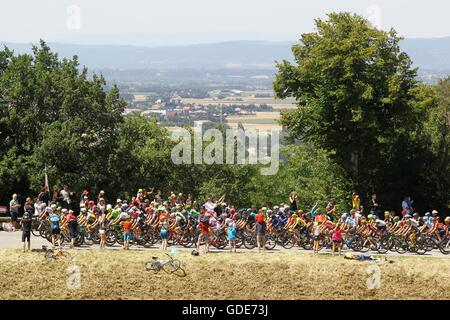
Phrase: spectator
(330, 210)
(127, 225)
(260, 231)
(101, 195)
(102, 231)
(26, 224)
(232, 235)
(204, 229)
(73, 227)
(14, 206)
(356, 202)
(44, 195)
(293, 199)
(65, 195)
(210, 205)
(164, 233)
(57, 198)
(373, 205)
(407, 205)
(337, 239)
(39, 207)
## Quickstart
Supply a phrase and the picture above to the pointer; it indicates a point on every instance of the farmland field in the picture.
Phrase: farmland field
(118, 274)
(275, 103)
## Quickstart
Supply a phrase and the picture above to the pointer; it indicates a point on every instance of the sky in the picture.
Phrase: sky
(78, 20)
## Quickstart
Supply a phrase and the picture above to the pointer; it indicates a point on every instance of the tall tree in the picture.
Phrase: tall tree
(356, 94)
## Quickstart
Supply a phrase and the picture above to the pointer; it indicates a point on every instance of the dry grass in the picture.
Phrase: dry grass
(121, 275)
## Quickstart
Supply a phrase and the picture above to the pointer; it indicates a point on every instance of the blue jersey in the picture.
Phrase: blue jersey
(54, 220)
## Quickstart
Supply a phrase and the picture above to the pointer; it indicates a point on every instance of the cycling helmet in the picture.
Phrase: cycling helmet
(396, 219)
(434, 212)
(408, 216)
(427, 214)
(53, 206)
(447, 220)
(416, 214)
(108, 207)
(387, 213)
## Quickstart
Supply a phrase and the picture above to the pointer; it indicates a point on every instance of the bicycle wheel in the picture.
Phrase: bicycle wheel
(250, 242)
(111, 237)
(172, 266)
(444, 246)
(400, 246)
(271, 242)
(386, 244)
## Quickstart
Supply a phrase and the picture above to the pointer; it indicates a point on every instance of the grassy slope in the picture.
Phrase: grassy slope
(121, 275)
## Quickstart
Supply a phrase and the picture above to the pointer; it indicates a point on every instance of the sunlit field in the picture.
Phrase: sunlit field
(116, 274)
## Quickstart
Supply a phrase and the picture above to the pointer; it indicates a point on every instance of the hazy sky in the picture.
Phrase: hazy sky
(52, 20)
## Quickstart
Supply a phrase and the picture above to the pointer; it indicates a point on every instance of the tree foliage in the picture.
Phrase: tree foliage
(358, 98)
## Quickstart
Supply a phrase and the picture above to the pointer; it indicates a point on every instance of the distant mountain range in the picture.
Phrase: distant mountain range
(428, 54)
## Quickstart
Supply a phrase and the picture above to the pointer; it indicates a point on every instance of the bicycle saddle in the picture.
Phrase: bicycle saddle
(154, 258)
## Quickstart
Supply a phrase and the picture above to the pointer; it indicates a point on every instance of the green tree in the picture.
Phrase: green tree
(52, 112)
(357, 98)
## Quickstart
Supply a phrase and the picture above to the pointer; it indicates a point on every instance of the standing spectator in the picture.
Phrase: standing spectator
(127, 225)
(407, 206)
(44, 195)
(337, 239)
(14, 206)
(65, 194)
(232, 235)
(73, 227)
(330, 210)
(39, 207)
(260, 231)
(204, 230)
(57, 198)
(356, 202)
(102, 231)
(101, 195)
(293, 199)
(316, 237)
(210, 205)
(164, 233)
(373, 205)
(26, 224)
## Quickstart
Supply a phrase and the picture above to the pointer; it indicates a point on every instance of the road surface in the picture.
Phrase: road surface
(12, 240)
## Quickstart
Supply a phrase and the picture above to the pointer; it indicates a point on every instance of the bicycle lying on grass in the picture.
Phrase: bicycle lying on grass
(171, 266)
(55, 254)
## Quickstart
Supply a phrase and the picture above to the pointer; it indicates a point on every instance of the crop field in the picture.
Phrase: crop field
(260, 120)
(118, 274)
(275, 103)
